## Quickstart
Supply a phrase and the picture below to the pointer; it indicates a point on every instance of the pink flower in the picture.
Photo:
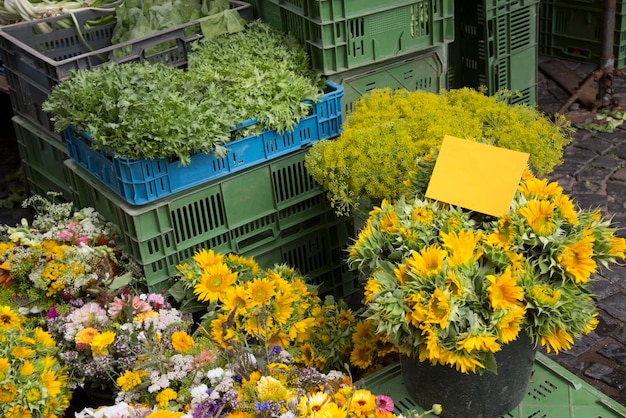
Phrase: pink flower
(384, 403)
(130, 305)
(82, 241)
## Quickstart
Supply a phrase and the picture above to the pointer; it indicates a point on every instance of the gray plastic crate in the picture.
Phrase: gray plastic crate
(35, 62)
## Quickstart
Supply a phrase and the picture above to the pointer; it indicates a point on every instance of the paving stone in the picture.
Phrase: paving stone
(617, 189)
(609, 161)
(571, 363)
(620, 335)
(594, 143)
(616, 379)
(615, 305)
(598, 371)
(588, 200)
(614, 352)
(595, 175)
(619, 175)
(581, 346)
(620, 150)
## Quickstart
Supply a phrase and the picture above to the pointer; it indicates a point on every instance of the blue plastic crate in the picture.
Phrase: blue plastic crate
(140, 181)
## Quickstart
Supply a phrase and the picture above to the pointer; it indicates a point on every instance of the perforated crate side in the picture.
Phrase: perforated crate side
(370, 36)
(424, 70)
(552, 393)
(239, 214)
(574, 32)
(42, 158)
(159, 273)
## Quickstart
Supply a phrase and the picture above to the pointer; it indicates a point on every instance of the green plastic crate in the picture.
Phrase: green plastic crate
(319, 254)
(553, 393)
(346, 36)
(497, 47)
(42, 157)
(420, 71)
(573, 31)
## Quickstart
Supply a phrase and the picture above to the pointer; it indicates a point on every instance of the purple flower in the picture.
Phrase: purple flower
(52, 313)
(384, 403)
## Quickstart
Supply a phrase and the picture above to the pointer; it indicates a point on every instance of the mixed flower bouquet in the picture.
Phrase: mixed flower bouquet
(98, 340)
(452, 286)
(64, 254)
(32, 381)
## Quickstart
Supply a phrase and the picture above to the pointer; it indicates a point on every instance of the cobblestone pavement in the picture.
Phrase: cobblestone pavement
(594, 175)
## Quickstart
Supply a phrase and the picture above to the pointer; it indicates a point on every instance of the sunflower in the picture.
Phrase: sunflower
(214, 281)
(557, 340)
(9, 319)
(539, 216)
(462, 246)
(504, 291)
(260, 291)
(428, 261)
(577, 259)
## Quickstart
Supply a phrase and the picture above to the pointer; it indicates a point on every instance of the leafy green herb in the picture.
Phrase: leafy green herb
(143, 110)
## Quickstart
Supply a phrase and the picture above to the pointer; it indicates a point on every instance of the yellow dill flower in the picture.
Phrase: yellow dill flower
(538, 215)
(181, 341)
(503, 290)
(557, 340)
(577, 260)
(461, 246)
(479, 342)
(130, 379)
(9, 319)
(439, 309)
(165, 396)
(428, 261)
(214, 281)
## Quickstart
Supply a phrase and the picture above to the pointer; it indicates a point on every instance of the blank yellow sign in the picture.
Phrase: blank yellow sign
(476, 176)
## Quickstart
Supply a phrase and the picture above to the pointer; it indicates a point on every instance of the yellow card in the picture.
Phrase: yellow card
(476, 176)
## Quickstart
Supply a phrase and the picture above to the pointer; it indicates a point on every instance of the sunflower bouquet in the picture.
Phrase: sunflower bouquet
(245, 304)
(452, 286)
(32, 380)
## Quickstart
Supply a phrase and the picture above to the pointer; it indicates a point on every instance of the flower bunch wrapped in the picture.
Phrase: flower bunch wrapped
(61, 255)
(451, 286)
(99, 340)
(32, 381)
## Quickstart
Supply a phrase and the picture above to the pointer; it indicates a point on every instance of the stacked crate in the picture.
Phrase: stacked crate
(257, 201)
(497, 47)
(369, 44)
(573, 30)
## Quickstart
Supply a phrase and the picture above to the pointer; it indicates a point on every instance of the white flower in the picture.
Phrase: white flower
(215, 375)
(199, 391)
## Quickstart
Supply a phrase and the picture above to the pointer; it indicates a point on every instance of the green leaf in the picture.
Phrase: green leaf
(228, 21)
